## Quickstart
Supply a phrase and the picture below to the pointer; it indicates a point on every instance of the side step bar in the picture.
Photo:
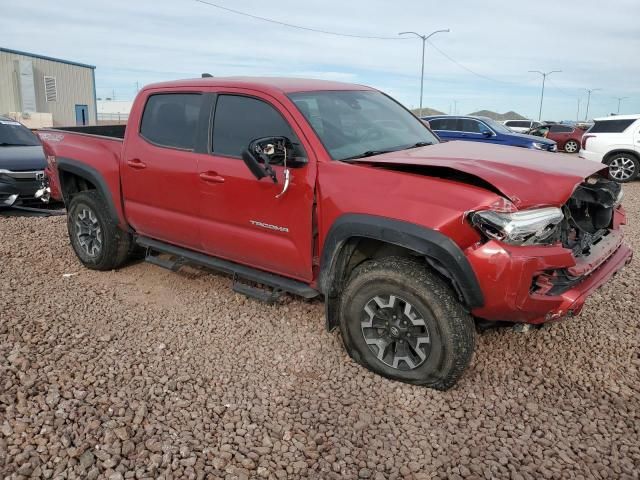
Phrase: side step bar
(184, 256)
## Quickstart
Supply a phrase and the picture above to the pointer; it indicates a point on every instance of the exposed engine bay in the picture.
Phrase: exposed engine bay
(588, 214)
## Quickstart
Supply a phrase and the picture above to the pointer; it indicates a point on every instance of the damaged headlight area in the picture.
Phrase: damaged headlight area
(539, 226)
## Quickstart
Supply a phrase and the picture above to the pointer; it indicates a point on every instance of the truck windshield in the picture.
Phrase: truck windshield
(354, 124)
(13, 134)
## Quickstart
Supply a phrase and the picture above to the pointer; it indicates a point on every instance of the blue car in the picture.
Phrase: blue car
(486, 130)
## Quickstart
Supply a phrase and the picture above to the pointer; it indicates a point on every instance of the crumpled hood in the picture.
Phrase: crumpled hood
(22, 158)
(526, 177)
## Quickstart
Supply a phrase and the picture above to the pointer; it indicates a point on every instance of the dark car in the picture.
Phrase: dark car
(485, 130)
(567, 137)
(22, 164)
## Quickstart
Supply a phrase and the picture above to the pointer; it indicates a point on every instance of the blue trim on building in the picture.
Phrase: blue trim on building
(52, 59)
(95, 96)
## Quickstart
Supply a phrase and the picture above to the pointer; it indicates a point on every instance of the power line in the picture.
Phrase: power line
(464, 67)
(350, 35)
(299, 27)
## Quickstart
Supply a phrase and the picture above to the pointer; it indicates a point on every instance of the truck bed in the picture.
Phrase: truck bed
(92, 152)
(110, 131)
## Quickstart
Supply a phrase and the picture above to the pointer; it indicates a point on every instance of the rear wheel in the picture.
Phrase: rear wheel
(96, 239)
(623, 167)
(403, 322)
(571, 146)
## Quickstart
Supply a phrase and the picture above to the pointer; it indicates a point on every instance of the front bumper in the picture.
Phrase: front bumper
(19, 188)
(510, 279)
(588, 155)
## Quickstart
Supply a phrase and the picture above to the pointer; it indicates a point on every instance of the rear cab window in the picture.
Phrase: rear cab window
(171, 120)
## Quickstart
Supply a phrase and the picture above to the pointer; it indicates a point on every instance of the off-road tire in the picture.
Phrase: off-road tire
(450, 328)
(115, 245)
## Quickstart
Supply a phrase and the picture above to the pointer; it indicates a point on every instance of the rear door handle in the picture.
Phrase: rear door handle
(136, 163)
(211, 177)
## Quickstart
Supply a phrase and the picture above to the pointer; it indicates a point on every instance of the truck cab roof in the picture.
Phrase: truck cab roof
(265, 84)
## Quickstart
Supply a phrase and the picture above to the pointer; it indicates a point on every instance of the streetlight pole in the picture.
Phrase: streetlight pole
(544, 78)
(578, 111)
(589, 90)
(424, 39)
(620, 101)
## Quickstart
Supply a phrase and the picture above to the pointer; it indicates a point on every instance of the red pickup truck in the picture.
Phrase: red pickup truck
(336, 190)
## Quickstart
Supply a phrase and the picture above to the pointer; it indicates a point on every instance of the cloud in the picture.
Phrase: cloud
(145, 41)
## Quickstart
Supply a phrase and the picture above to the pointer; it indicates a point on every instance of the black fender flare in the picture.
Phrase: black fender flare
(438, 249)
(91, 174)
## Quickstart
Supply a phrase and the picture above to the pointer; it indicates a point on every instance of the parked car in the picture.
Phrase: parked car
(22, 164)
(336, 190)
(521, 126)
(567, 137)
(485, 130)
(615, 141)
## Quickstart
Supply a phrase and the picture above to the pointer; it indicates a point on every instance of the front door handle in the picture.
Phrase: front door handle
(136, 163)
(211, 177)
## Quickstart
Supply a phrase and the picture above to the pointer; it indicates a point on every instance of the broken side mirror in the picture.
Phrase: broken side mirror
(265, 152)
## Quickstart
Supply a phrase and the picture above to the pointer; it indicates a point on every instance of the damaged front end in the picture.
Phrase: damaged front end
(589, 214)
(548, 272)
(44, 192)
(590, 229)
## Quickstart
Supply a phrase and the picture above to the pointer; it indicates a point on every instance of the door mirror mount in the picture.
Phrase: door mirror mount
(264, 152)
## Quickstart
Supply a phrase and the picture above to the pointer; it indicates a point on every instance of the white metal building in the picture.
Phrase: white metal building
(39, 87)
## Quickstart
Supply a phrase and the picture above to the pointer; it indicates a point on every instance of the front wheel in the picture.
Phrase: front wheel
(571, 146)
(623, 167)
(403, 322)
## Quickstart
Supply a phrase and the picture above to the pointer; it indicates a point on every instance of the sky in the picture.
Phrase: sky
(136, 42)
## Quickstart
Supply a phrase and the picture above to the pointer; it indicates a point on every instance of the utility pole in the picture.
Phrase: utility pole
(578, 112)
(455, 107)
(589, 90)
(424, 39)
(620, 101)
(544, 78)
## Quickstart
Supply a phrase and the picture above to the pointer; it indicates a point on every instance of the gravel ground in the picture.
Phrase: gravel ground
(144, 373)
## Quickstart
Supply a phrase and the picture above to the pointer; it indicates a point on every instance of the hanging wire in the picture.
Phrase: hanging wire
(349, 35)
(299, 27)
(464, 67)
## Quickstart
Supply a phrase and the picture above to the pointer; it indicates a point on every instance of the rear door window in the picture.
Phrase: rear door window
(444, 124)
(171, 120)
(239, 120)
(611, 126)
(471, 126)
(560, 129)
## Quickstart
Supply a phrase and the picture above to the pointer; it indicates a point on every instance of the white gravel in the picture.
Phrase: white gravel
(144, 373)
